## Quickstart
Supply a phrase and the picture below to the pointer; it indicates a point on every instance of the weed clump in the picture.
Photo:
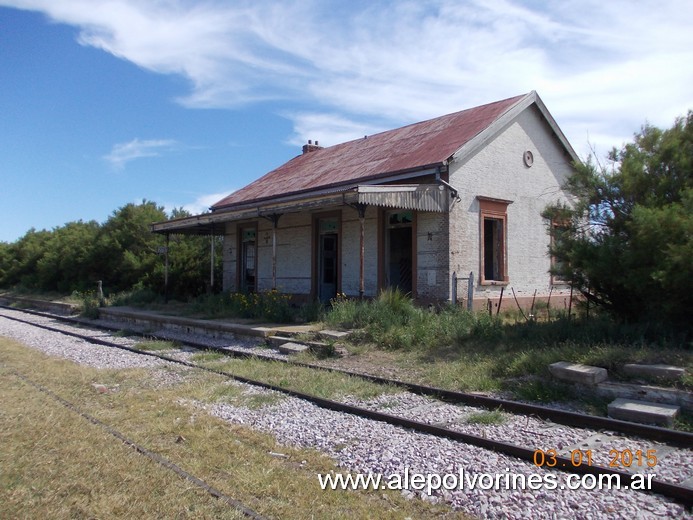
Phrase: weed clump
(394, 322)
(89, 303)
(269, 305)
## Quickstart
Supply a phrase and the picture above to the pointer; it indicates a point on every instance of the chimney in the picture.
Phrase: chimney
(310, 147)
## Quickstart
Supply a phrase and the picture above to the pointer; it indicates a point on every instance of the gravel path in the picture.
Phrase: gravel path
(361, 445)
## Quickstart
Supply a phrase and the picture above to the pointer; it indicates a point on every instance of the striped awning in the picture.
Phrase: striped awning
(422, 197)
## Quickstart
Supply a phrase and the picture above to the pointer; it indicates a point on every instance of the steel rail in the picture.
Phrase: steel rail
(680, 493)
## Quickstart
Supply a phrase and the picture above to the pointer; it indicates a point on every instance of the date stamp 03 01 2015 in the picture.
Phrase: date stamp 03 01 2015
(617, 458)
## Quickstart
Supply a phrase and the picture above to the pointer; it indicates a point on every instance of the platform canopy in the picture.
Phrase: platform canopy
(420, 197)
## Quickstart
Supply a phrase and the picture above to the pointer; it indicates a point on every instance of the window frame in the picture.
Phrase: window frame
(493, 209)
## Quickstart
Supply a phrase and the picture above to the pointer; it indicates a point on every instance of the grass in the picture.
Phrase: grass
(235, 395)
(124, 333)
(315, 382)
(57, 465)
(459, 350)
(487, 417)
(455, 349)
(156, 345)
(206, 357)
(270, 306)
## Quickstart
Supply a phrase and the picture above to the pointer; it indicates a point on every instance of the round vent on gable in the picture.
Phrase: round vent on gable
(528, 159)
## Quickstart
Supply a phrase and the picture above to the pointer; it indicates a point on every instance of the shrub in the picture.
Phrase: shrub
(138, 296)
(311, 312)
(89, 302)
(271, 306)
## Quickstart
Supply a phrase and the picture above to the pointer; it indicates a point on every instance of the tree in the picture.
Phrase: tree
(22, 257)
(66, 263)
(123, 253)
(6, 258)
(126, 252)
(626, 242)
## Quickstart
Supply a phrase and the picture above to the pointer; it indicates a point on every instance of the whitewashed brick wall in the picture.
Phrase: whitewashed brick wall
(294, 250)
(351, 245)
(432, 277)
(497, 170)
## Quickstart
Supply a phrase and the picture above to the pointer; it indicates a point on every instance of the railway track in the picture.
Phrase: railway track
(562, 461)
(564, 417)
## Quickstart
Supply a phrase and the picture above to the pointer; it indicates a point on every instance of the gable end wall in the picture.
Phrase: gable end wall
(497, 170)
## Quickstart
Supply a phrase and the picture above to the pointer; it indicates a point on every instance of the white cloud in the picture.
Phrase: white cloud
(327, 129)
(602, 67)
(202, 203)
(125, 152)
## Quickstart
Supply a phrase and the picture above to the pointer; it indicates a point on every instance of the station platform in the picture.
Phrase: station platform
(213, 328)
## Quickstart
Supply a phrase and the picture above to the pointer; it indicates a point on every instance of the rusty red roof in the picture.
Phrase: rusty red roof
(411, 147)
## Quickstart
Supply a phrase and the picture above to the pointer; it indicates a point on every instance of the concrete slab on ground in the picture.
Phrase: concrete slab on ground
(643, 412)
(277, 341)
(292, 348)
(333, 334)
(668, 372)
(648, 393)
(577, 373)
(292, 330)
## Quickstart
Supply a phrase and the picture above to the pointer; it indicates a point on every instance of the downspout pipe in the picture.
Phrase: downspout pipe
(453, 190)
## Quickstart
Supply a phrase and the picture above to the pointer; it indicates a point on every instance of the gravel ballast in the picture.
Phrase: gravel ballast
(361, 445)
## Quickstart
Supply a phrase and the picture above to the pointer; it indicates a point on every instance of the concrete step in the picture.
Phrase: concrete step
(333, 334)
(292, 348)
(277, 341)
(319, 347)
(643, 412)
(668, 372)
(653, 394)
(577, 373)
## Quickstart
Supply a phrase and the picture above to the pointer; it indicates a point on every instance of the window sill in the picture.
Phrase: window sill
(494, 282)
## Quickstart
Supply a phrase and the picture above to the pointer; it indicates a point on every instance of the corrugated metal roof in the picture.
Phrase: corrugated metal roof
(415, 146)
(421, 197)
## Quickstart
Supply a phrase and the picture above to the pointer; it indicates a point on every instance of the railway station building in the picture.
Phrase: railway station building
(431, 208)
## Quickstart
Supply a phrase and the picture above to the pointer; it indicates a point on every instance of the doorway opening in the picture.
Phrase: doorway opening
(399, 253)
(248, 260)
(328, 259)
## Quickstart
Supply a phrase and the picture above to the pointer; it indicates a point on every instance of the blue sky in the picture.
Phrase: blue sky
(182, 102)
